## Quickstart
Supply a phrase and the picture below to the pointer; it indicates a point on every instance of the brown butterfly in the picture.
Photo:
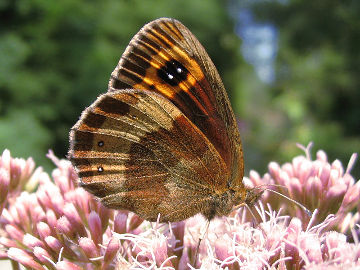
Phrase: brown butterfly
(163, 139)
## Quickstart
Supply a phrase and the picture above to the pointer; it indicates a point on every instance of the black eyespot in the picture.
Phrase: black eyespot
(173, 72)
(100, 169)
(100, 143)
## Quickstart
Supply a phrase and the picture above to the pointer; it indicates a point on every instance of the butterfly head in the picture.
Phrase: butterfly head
(232, 199)
(253, 195)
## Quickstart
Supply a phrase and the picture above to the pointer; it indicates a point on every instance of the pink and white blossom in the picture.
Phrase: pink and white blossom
(51, 223)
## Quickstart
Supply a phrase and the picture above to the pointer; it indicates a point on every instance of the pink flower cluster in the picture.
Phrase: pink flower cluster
(316, 184)
(51, 223)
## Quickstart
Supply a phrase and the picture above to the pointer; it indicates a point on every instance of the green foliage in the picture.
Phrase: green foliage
(315, 96)
(57, 56)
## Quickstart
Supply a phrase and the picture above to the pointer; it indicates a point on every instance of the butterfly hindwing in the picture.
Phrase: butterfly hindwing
(136, 150)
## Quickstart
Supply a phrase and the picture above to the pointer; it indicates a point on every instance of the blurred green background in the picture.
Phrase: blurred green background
(291, 68)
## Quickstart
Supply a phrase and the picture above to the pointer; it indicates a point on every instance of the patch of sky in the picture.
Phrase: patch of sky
(259, 46)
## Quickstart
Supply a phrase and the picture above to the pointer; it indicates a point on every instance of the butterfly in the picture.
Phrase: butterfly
(163, 139)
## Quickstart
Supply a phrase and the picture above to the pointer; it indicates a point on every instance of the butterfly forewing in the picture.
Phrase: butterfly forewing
(166, 58)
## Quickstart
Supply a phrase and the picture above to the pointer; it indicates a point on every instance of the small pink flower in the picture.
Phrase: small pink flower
(4, 187)
(43, 256)
(43, 230)
(95, 227)
(5, 160)
(54, 244)
(65, 265)
(51, 219)
(111, 250)
(14, 232)
(64, 226)
(31, 241)
(89, 247)
(120, 222)
(135, 222)
(24, 258)
(73, 217)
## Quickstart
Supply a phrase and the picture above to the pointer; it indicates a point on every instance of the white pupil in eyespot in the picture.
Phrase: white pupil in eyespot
(100, 169)
(178, 70)
(170, 76)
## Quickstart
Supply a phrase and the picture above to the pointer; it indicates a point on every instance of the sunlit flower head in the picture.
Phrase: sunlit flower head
(316, 184)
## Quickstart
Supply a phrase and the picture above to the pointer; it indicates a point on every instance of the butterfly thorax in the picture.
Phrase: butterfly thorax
(223, 204)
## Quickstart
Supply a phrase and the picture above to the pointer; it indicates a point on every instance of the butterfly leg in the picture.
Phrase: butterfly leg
(202, 236)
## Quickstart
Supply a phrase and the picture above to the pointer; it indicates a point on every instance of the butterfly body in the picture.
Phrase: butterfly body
(163, 139)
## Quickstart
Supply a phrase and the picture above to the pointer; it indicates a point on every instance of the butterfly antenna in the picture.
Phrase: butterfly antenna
(202, 236)
(270, 185)
(307, 211)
